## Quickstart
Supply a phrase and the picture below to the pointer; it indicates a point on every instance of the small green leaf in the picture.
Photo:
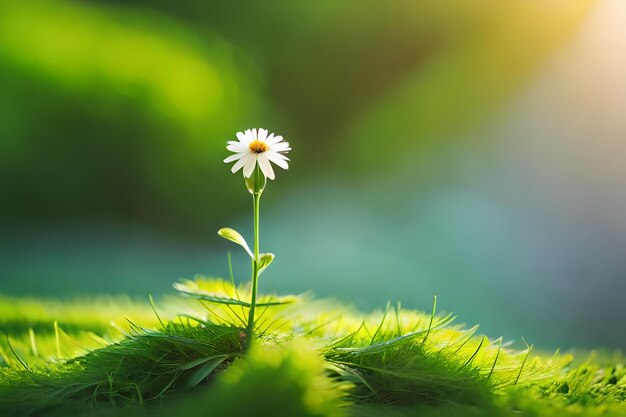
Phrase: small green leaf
(273, 300)
(275, 303)
(210, 297)
(196, 362)
(201, 372)
(265, 259)
(235, 236)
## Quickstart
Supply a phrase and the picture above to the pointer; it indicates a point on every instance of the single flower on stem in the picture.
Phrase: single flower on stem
(254, 152)
(255, 146)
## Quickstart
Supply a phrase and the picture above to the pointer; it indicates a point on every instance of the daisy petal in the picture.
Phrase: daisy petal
(241, 136)
(266, 167)
(248, 137)
(241, 162)
(273, 156)
(281, 147)
(237, 148)
(250, 164)
(271, 140)
(279, 155)
(262, 134)
(234, 157)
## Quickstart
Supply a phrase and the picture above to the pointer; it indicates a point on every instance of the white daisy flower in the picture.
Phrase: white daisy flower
(256, 146)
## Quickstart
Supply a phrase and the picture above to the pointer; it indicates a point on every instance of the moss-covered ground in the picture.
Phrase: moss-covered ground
(186, 355)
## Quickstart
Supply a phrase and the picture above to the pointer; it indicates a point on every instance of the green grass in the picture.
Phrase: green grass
(185, 355)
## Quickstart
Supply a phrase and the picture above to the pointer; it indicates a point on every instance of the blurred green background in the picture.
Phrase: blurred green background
(475, 150)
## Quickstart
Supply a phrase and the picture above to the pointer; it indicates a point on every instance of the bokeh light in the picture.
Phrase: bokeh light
(470, 150)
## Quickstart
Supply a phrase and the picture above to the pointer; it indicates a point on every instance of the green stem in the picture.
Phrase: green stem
(256, 199)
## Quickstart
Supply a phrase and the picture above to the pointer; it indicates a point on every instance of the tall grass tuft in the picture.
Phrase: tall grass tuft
(310, 357)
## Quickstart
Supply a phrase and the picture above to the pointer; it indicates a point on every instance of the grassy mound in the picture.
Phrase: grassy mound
(311, 357)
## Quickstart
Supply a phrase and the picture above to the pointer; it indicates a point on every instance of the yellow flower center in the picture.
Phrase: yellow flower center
(258, 147)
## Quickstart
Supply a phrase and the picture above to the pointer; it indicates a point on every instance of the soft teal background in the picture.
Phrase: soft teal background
(473, 151)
